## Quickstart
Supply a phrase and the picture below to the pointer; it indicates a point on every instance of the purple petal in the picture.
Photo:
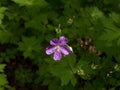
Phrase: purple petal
(50, 50)
(63, 40)
(65, 50)
(54, 41)
(57, 55)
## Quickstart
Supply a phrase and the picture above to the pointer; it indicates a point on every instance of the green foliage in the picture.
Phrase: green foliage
(5, 36)
(27, 26)
(30, 2)
(112, 30)
(22, 2)
(2, 10)
(2, 66)
(3, 79)
(29, 45)
(23, 75)
(65, 69)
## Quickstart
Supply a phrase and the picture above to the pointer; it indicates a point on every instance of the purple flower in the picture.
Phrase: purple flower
(58, 47)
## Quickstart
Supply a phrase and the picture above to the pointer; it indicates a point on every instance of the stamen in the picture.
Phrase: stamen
(57, 47)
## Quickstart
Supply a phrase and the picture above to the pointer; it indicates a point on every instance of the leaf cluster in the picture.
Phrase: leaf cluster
(27, 26)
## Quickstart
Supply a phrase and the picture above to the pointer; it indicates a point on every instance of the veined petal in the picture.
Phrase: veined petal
(50, 50)
(54, 41)
(57, 55)
(63, 40)
(65, 49)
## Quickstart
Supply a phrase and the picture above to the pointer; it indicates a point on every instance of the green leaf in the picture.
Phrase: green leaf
(64, 70)
(23, 2)
(95, 13)
(115, 17)
(2, 66)
(2, 10)
(40, 3)
(110, 35)
(3, 77)
(3, 80)
(5, 36)
(55, 85)
(29, 45)
(108, 23)
(118, 42)
(2, 88)
(111, 32)
(31, 2)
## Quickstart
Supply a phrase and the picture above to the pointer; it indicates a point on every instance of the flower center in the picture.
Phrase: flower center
(57, 47)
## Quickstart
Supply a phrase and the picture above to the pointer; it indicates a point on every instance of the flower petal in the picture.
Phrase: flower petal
(70, 48)
(63, 40)
(65, 50)
(54, 41)
(57, 55)
(50, 50)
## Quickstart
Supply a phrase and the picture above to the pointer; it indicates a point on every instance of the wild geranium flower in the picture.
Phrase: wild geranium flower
(58, 47)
